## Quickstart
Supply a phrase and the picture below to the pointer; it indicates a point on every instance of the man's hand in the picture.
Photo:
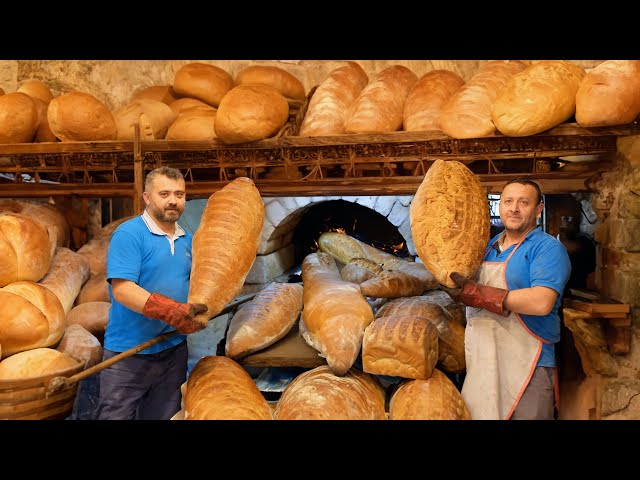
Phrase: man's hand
(179, 315)
(476, 295)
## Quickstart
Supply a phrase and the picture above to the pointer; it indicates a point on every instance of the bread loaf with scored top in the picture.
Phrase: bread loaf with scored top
(284, 82)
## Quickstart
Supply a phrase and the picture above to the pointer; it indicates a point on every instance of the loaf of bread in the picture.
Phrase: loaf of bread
(609, 94)
(49, 216)
(81, 117)
(401, 346)
(318, 394)
(358, 270)
(95, 250)
(80, 344)
(195, 123)
(36, 89)
(467, 114)
(450, 333)
(43, 132)
(332, 98)
(427, 98)
(95, 289)
(264, 320)
(225, 245)
(379, 106)
(18, 118)
(67, 274)
(92, 316)
(538, 98)
(419, 271)
(159, 93)
(392, 284)
(450, 222)
(218, 388)
(186, 103)
(436, 398)
(202, 81)
(160, 116)
(457, 311)
(335, 312)
(31, 316)
(35, 363)
(276, 77)
(25, 249)
(249, 113)
(343, 248)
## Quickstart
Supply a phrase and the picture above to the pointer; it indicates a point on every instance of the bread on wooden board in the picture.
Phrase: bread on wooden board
(335, 312)
(195, 123)
(467, 114)
(609, 94)
(331, 100)
(218, 388)
(81, 117)
(319, 394)
(436, 398)
(449, 217)
(400, 345)
(35, 363)
(160, 116)
(225, 245)
(264, 320)
(202, 81)
(379, 107)
(280, 79)
(18, 118)
(537, 98)
(43, 133)
(426, 99)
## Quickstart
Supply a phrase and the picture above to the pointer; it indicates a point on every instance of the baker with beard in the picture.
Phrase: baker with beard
(148, 270)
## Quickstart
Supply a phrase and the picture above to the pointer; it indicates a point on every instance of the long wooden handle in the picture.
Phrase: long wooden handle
(57, 384)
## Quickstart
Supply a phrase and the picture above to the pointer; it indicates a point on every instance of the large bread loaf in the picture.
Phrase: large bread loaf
(95, 289)
(379, 107)
(345, 248)
(80, 344)
(95, 250)
(329, 104)
(402, 346)
(43, 133)
(25, 249)
(195, 123)
(359, 270)
(538, 98)
(426, 99)
(392, 284)
(225, 245)
(249, 113)
(264, 320)
(449, 217)
(160, 116)
(66, 276)
(609, 94)
(457, 311)
(335, 312)
(436, 398)
(450, 333)
(31, 316)
(92, 316)
(36, 89)
(35, 363)
(160, 93)
(220, 389)
(202, 81)
(276, 77)
(44, 213)
(18, 118)
(81, 117)
(467, 114)
(318, 394)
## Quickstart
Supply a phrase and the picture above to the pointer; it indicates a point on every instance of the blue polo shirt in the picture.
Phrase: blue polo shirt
(541, 260)
(139, 251)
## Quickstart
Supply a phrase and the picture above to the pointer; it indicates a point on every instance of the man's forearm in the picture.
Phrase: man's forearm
(531, 301)
(129, 294)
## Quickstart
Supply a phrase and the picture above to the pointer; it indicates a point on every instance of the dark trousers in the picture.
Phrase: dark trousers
(143, 387)
(538, 399)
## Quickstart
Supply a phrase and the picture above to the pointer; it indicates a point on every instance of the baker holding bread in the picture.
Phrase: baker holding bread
(148, 270)
(513, 326)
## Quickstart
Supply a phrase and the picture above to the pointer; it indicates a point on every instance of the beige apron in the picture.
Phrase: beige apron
(501, 354)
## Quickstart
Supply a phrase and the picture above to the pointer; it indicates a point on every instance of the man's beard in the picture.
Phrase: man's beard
(164, 215)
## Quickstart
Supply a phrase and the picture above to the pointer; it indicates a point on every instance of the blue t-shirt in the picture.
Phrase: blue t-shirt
(541, 260)
(137, 254)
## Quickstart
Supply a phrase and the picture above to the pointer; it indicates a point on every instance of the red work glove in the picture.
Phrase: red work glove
(477, 295)
(176, 314)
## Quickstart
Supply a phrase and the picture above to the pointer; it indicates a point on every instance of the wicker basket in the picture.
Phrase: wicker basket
(25, 399)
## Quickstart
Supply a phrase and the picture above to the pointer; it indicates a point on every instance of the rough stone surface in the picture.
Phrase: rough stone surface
(621, 399)
(267, 267)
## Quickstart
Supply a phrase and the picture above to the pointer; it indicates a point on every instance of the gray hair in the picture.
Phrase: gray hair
(169, 172)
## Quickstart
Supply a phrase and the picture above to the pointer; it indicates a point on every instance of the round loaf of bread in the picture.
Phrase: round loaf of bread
(49, 216)
(203, 81)
(609, 94)
(18, 118)
(160, 116)
(96, 289)
(25, 249)
(81, 117)
(276, 77)
(186, 103)
(538, 98)
(159, 93)
(35, 363)
(31, 317)
(449, 217)
(92, 316)
(44, 133)
(37, 89)
(249, 113)
(196, 123)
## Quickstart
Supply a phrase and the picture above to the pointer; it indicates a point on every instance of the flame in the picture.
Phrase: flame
(398, 247)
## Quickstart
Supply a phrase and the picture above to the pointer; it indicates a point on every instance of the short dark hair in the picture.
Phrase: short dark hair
(526, 181)
(169, 172)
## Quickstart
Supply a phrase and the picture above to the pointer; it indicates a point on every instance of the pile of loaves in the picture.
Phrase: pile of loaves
(512, 97)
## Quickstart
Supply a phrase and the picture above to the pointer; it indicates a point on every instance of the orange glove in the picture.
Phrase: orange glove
(176, 314)
(476, 295)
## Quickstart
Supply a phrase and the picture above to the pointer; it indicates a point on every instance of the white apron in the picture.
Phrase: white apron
(500, 352)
